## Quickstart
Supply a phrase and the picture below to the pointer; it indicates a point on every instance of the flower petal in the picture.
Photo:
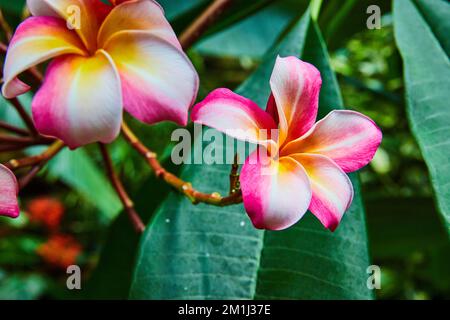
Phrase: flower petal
(277, 194)
(234, 115)
(84, 107)
(295, 87)
(158, 81)
(349, 138)
(8, 193)
(36, 40)
(332, 190)
(84, 16)
(137, 15)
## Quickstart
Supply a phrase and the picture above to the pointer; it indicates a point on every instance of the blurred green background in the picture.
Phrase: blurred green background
(68, 211)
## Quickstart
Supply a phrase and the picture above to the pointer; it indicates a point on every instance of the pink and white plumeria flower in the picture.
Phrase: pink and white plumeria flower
(8, 193)
(309, 169)
(122, 56)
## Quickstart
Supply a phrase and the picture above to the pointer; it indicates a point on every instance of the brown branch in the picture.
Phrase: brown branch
(3, 47)
(174, 181)
(17, 147)
(234, 176)
(24, 115)
(187, 39)
(26, 179)
(201, 24)
(13, 129)
(42, 158)
(36, 74)
(11, 147)
(36, 162)
(121, 192)
(25, 141)
(5, 26)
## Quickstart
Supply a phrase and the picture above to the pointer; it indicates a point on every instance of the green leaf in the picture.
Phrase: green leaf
(253, 37)
(175, 8)
(436, 14)
(399, 227)
(9, 114)
(204, 252)
(80, 172)
(427, 69)
(335, 16)
(21, 286)
(15, 7)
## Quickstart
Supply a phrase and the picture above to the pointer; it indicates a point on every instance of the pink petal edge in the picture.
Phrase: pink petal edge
(347, 137)
(9, 190)
(332, 190)
(295, 88)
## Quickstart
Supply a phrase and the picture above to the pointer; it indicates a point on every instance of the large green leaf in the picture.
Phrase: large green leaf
(335, 16)
(175, 8)
(77, 170)
(427, 69)
(399, 227)
(204, 252)
(254, 35)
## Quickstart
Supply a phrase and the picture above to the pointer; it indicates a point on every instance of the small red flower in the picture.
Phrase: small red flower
(60, 251)
(46, 210)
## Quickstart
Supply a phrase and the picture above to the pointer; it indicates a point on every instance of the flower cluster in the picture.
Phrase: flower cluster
(125, 56)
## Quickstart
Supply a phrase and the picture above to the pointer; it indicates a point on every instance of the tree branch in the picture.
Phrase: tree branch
(19, 131)
(36, 162)
(25, 140)
(24, 115)
(177, 183)
(5, 26)
(26, 179)
(187, 39)
(201, 24)
(42, 158)
(121, 192)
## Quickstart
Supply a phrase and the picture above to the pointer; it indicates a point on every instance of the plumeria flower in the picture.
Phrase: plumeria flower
(8, 193)
(309, 168)
(124, 55)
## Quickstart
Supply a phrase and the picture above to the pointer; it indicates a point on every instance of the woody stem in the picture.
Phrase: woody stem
(201, 24)
(36, 162)
(174, 181)
(187, 39)
(121, 192)
(13, 129)
(24, 115)
(40, 159)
